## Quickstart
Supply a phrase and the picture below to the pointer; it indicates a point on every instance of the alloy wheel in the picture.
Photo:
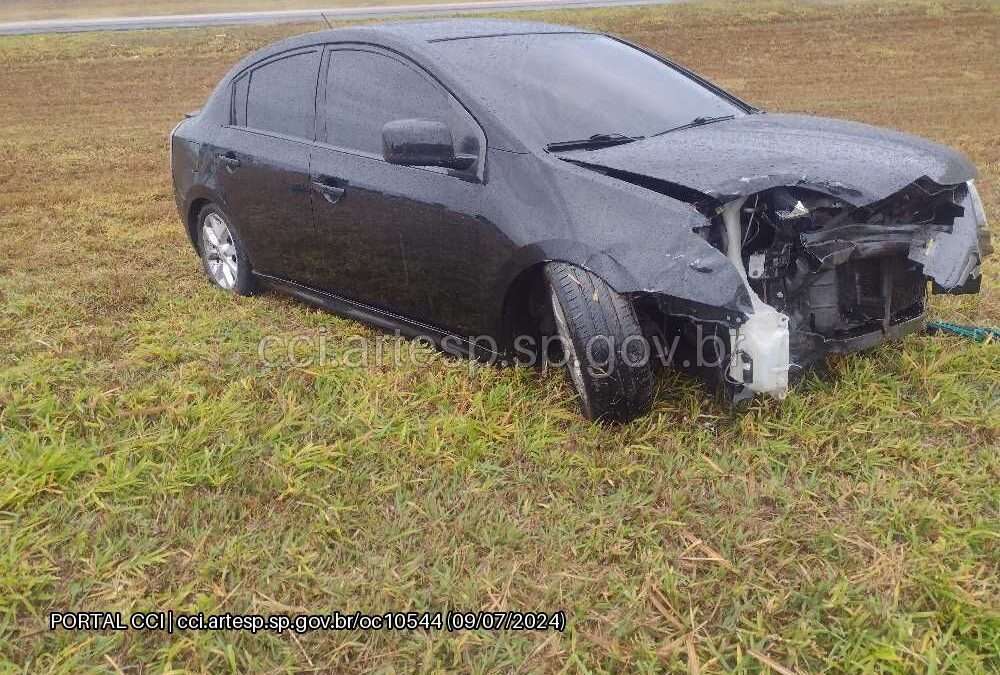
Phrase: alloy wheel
(219, 251)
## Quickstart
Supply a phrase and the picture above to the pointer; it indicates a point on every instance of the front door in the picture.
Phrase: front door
(397, 237)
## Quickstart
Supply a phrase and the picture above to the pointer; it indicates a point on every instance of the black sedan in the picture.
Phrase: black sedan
(534, 192)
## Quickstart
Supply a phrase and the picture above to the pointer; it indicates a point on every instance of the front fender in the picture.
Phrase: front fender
(636, 239)
(693, 277)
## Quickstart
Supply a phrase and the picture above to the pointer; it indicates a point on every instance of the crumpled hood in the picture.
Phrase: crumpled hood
(857, 163)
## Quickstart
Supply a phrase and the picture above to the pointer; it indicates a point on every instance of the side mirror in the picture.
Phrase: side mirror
(416, 142)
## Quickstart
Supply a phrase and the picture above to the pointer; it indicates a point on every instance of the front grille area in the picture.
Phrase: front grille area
(879, 290)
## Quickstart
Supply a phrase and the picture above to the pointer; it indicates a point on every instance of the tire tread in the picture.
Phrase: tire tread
(593, 309)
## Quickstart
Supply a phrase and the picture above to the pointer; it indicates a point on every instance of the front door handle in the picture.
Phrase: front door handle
(331, 193)
(230, 162)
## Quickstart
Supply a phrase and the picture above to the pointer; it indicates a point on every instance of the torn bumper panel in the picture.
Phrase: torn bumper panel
(845, 280)
(949, 249)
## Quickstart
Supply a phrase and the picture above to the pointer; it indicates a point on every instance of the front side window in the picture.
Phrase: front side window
(365, 90)
(280, 96)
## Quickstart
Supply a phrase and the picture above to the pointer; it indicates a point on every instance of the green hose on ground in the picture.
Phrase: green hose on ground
(977, 333)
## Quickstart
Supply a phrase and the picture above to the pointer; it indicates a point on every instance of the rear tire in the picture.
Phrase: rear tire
(222, 256)
(607, 356)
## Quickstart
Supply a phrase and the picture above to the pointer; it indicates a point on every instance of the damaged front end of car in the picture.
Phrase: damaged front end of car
(832, 231)
(826, 276)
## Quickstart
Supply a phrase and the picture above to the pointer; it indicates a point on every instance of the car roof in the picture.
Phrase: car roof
(436, 30)
(403, 34)
(412, 33)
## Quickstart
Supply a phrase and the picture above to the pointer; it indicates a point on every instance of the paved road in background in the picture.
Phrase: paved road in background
(300, 16)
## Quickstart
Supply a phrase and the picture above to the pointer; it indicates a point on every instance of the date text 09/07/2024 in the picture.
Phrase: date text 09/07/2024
(169, 621)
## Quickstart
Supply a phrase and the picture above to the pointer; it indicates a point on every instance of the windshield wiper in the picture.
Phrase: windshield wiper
(696, 122)
(595, 141)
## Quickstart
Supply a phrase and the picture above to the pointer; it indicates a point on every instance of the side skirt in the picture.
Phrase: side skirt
(446, 341)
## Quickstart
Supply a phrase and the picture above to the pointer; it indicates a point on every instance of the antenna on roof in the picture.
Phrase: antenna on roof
(328, 24)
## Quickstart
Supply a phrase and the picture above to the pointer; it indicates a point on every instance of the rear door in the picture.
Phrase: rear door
(398, 237)
(262, 163)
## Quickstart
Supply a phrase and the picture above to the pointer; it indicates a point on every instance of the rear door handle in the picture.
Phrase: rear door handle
(230, 162)
(331, 193)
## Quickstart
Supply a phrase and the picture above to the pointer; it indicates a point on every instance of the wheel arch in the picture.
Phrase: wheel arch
(191, 220)
(713, 292)
(197, 199)
(520, 313)
(521, 291)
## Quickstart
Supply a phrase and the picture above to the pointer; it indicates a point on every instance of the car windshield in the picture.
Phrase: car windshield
(551, 88)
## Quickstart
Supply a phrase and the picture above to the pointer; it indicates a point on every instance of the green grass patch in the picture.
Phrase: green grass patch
(149, 460)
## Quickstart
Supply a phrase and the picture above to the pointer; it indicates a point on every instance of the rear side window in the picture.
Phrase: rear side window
(280, 96)
(365, 90)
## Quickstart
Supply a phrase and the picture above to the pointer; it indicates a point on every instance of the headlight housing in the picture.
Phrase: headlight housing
(977, 204)
(985, 238)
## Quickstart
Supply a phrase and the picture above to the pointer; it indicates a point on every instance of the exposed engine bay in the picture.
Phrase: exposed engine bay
(826, 276)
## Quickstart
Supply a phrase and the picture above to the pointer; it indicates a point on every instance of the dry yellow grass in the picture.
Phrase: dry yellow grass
(148, 461)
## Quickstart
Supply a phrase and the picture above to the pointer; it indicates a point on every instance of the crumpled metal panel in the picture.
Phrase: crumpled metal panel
(854, 162)
(950, 258)
(637, 240)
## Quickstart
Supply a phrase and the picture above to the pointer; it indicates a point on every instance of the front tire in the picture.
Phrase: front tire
(222, 256)
(606, 354)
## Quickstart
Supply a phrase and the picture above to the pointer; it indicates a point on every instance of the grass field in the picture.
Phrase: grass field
(149, 461)
(30, 10)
